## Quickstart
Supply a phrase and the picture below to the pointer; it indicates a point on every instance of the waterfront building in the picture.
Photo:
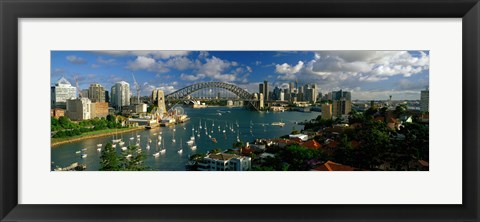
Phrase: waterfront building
(424, 100)
(61, 92)
(327, 111)
(282, 96)
(141, 108)
(96, 93)
(79, 109)
(225, 162)
(158, 98)
(120, 95)
(99, 110)
(261, 100)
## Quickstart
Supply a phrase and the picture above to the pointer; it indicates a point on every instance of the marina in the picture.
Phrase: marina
(168, 148)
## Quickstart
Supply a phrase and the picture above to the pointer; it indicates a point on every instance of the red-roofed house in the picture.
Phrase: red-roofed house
(312, 144)
(332, 166)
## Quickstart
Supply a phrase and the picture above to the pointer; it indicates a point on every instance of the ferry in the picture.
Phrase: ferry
(280, 124)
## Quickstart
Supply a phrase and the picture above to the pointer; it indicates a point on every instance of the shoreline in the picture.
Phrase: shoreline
(52, 144)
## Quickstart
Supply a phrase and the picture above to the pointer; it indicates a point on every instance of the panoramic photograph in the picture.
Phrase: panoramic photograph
(164, 110)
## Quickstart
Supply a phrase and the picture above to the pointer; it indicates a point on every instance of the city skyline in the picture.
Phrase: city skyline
(367, 74)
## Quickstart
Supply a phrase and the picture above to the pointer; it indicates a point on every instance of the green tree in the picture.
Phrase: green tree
(133, 160)
(109, 160)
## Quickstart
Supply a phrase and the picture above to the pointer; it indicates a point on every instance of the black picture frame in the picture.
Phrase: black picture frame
(11, 11)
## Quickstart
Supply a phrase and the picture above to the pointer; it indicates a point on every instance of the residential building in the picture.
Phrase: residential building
(96, 93)
(342, 107)
(120, 95)
(327, 111)
(424, 100)
(79, 109)
(99, 110)
(225, 162)
(332, 166)
(57, 113)
(61, 92)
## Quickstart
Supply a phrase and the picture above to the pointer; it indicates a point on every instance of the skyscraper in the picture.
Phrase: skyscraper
(96, 93)
(120, 95)
(261, 88)
(266, 93)
(424, 100)
(336, 95)
(61, 92)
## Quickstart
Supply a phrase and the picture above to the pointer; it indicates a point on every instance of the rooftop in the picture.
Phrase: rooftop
(332, 166)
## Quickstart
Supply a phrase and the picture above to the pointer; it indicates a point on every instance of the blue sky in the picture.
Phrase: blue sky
(367, 74)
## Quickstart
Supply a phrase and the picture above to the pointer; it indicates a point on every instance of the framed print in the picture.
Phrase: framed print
(291, 110)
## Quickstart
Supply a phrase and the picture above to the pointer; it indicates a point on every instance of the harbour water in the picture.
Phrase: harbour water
(247, 126)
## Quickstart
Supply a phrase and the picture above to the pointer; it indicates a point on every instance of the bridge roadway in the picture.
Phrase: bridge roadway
(183, 93)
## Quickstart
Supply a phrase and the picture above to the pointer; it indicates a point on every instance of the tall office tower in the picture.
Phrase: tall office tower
(158, 98)
(314, 93)
(336, 95)
(326, 111)
(60, 92)
(310, 93)
(96, 93)
(276, 93)
(265, 89)
(261, 88)
(107, 97)
(291, 87)
(424, 100)
(282, 96)
(120, 95)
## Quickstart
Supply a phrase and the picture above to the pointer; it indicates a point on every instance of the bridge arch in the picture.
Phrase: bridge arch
(184, 92)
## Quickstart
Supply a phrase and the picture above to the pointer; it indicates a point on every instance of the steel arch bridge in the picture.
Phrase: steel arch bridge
(182, 93)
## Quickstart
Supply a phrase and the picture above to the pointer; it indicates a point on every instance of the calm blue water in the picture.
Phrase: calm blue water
(64, 155)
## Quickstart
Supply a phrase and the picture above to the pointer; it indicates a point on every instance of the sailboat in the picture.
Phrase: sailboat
(99, 149)
(115, 138)
(157, 154)
(180, 151)
(163, 150)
